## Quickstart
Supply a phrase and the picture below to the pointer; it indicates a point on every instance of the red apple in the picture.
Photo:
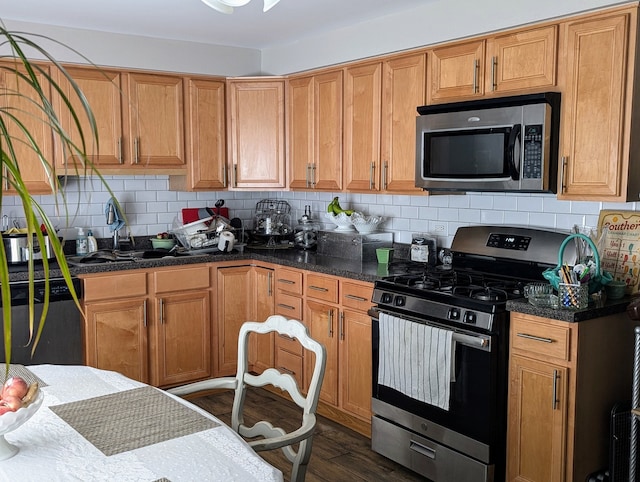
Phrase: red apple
(11, 401)
(15, 386)
(4, 409)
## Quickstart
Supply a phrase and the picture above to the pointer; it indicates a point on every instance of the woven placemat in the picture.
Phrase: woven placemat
(128, 420)
(22, 372)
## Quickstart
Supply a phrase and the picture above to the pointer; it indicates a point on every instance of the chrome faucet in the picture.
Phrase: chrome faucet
(111, 218)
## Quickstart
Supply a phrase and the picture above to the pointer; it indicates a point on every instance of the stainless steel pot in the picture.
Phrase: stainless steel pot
(17, 248)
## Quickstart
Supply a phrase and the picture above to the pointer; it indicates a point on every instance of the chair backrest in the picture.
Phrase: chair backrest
(276, 437)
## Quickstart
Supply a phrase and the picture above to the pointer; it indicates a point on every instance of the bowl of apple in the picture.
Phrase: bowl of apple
(18, 403)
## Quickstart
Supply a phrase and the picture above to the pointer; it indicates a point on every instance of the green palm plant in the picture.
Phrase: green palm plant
(32, 95)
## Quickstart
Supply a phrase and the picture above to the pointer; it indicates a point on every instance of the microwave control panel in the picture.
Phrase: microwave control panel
(532, 162)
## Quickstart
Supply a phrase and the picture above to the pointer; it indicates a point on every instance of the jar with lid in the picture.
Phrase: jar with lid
(305, 234)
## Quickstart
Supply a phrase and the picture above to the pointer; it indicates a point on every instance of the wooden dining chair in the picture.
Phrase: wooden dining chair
(273, 437)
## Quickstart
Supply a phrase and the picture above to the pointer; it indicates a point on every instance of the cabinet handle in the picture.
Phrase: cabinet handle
(286, 281)
(535, 338)
(494, 66)
(318, 288)
(287, 307)
(476, 66)
(372, 170)
(161, 308)
(563, 164)
(119, 148)
(5, 175)
(385, 168)
(235, 175)
(144, 313)
(286, 370)
(313, 175)
(330, 320)
(354, 297)
(555, 400)
(224, 174)
(269, 283)
(136, 152)
(341, 327)
(307, 175)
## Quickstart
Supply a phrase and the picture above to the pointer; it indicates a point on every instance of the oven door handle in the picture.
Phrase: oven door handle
(422, 449)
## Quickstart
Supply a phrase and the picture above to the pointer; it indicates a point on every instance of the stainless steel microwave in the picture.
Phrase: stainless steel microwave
(501, 145)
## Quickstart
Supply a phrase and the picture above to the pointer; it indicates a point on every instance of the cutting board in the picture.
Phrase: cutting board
(619, 248)
(189, 215)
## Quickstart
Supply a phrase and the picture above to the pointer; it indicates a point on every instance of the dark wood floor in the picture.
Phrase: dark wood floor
(338, 454)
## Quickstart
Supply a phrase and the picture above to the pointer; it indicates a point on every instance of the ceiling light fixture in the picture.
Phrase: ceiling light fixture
(226, 6)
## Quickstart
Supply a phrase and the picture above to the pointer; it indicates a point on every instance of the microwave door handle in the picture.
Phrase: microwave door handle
(511, 152)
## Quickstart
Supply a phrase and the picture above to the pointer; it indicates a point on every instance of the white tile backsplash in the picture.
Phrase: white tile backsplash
(151, 208)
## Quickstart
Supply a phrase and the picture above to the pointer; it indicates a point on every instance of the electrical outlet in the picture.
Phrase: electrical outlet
(439, 228)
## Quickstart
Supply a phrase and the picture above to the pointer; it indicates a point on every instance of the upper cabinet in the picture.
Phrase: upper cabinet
(517, 61)
(314, 127)
(379, 132)
(34, 171)
(139, 118)
(205, 136)
(597, 108)
(255, 120)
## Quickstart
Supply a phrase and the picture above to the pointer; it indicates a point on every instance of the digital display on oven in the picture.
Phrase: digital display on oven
(508, 241)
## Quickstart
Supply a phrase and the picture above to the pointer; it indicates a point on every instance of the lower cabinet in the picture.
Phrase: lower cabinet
(564, 380)
(152, 326)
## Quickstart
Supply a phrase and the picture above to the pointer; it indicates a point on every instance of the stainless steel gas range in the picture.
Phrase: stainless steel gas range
(440, 352)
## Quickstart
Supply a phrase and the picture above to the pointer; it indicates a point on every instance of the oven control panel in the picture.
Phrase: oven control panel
(508, 241)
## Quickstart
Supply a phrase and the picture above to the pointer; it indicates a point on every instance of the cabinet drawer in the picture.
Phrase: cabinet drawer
(322, 288)
(291, 364)
(115, 286)
(288, 305)
(291, 345)
(182, 279)
(289, 280)
(356, 296)
(540, 338)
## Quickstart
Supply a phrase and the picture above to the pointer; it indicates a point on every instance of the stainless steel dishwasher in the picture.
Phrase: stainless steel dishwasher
(61, 342)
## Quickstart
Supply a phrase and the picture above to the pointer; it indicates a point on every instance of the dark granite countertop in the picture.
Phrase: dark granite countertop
(595, 310)
(346, 268)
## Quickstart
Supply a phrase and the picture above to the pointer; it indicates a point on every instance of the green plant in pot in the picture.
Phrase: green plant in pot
(32, 103)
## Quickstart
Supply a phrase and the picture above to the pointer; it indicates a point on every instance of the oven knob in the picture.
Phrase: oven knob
(386, 298)
(454, 314)
(400, 301)
(470, 317)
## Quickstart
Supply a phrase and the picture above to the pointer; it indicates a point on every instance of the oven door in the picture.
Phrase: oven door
(475, 421)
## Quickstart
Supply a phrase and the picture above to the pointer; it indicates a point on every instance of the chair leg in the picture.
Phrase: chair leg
(301, 461)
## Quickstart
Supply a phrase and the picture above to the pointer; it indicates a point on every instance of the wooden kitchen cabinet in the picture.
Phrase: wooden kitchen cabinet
(116, 328)
(205, 137)
(322, 321)
(255, 138)
(564, 379)
(263, 349)
(32, 169)
(314, 128)
(519, 61)
(181, 336)
(289, 353)
(599, 55)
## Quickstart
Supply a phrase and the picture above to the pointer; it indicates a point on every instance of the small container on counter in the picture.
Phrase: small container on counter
(92, 243)
(82, 242)
(424, 249)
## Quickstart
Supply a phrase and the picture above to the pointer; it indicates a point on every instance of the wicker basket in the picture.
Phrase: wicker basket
(597, 280)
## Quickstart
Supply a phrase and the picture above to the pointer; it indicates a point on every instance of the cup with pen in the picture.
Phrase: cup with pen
(575, 284)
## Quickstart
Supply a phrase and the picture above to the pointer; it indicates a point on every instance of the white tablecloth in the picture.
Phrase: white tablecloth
(51, 450)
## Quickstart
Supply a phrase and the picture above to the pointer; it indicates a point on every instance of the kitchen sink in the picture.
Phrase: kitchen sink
(109, 256)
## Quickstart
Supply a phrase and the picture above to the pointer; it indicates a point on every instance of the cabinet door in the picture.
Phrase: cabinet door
(263, 345)
(116, 337)
(300, 127)
(182, 352)
(322, 321)
(355, 363)
(537, 431)
(457, 71)
(104, 92)
(206, 142)
(403, 89)
(33, 170)
(522, 60)
(592, 108)
(156, 120)
(362, 110)
(256, 133)
(233, 309)
(326, 171)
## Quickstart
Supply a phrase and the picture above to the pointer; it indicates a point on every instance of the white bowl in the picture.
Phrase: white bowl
(366, 224)
(342, 221)
(12, 420)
